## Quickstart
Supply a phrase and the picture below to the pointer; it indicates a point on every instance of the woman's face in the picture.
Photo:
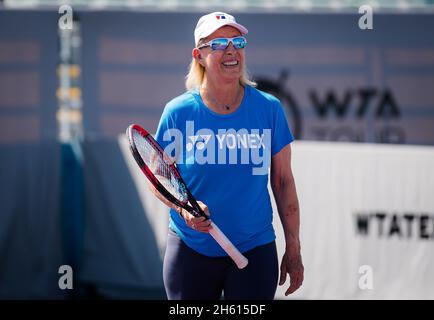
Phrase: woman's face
(223, 65)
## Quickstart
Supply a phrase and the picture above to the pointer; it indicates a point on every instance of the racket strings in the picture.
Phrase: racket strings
(160, 167)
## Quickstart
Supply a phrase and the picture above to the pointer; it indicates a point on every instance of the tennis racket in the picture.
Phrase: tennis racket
(161, 171)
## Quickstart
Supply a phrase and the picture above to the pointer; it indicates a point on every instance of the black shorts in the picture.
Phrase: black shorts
(190, 275)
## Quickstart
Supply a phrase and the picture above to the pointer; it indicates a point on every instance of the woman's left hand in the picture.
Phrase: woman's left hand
(292, 265)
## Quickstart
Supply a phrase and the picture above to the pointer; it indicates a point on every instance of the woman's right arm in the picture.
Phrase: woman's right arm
(197, 223)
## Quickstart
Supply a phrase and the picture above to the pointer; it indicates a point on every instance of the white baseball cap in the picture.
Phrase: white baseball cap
(209, 23)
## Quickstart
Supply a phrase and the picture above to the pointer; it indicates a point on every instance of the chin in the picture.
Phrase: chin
(231, 79)
(232, 76)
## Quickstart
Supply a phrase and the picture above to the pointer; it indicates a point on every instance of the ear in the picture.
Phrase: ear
(196, 54)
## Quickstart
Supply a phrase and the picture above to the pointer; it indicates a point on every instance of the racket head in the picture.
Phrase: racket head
(159, 168)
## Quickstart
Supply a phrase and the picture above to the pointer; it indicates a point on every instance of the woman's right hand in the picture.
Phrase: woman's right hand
(199, 224)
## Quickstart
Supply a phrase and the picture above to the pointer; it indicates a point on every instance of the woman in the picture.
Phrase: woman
(224, 135)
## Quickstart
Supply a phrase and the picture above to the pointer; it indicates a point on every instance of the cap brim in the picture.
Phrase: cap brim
(237, 26)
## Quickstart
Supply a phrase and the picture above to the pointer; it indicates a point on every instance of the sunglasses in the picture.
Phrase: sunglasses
(223, 43)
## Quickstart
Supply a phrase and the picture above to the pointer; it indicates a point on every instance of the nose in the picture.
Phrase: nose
(230, 48)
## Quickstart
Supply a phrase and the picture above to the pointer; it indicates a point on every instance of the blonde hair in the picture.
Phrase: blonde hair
(196, 74)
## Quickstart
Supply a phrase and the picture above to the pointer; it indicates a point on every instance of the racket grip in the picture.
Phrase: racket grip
(240, 260)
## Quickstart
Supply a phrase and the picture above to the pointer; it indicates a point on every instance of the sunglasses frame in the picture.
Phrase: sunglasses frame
(230, 40)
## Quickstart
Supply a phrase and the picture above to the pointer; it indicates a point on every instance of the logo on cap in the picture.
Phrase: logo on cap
(220, 16)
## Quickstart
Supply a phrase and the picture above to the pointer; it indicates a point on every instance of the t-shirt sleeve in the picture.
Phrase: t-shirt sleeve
(281, 134)
(166, 123)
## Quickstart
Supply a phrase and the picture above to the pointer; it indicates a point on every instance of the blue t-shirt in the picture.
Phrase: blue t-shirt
(224, 160)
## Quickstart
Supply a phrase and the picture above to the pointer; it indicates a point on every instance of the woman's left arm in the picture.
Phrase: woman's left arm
(285, 194)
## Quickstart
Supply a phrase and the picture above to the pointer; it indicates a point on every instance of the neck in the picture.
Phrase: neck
(224, 97)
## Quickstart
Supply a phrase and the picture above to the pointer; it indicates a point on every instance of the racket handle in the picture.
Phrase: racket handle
(240, 260)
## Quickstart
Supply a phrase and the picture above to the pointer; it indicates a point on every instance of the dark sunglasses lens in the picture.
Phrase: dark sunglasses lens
(239, 43)
(219, 44)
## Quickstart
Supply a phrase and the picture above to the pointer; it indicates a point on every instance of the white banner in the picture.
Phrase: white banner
(367, 221)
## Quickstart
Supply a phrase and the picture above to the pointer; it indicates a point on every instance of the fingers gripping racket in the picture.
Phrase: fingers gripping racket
(161, 171)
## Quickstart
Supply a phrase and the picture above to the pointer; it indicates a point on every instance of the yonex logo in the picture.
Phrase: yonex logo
(228, 140)
(220, 16)
(226, 146)
(199, 141)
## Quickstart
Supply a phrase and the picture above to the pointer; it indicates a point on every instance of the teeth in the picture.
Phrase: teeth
(230, 63)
